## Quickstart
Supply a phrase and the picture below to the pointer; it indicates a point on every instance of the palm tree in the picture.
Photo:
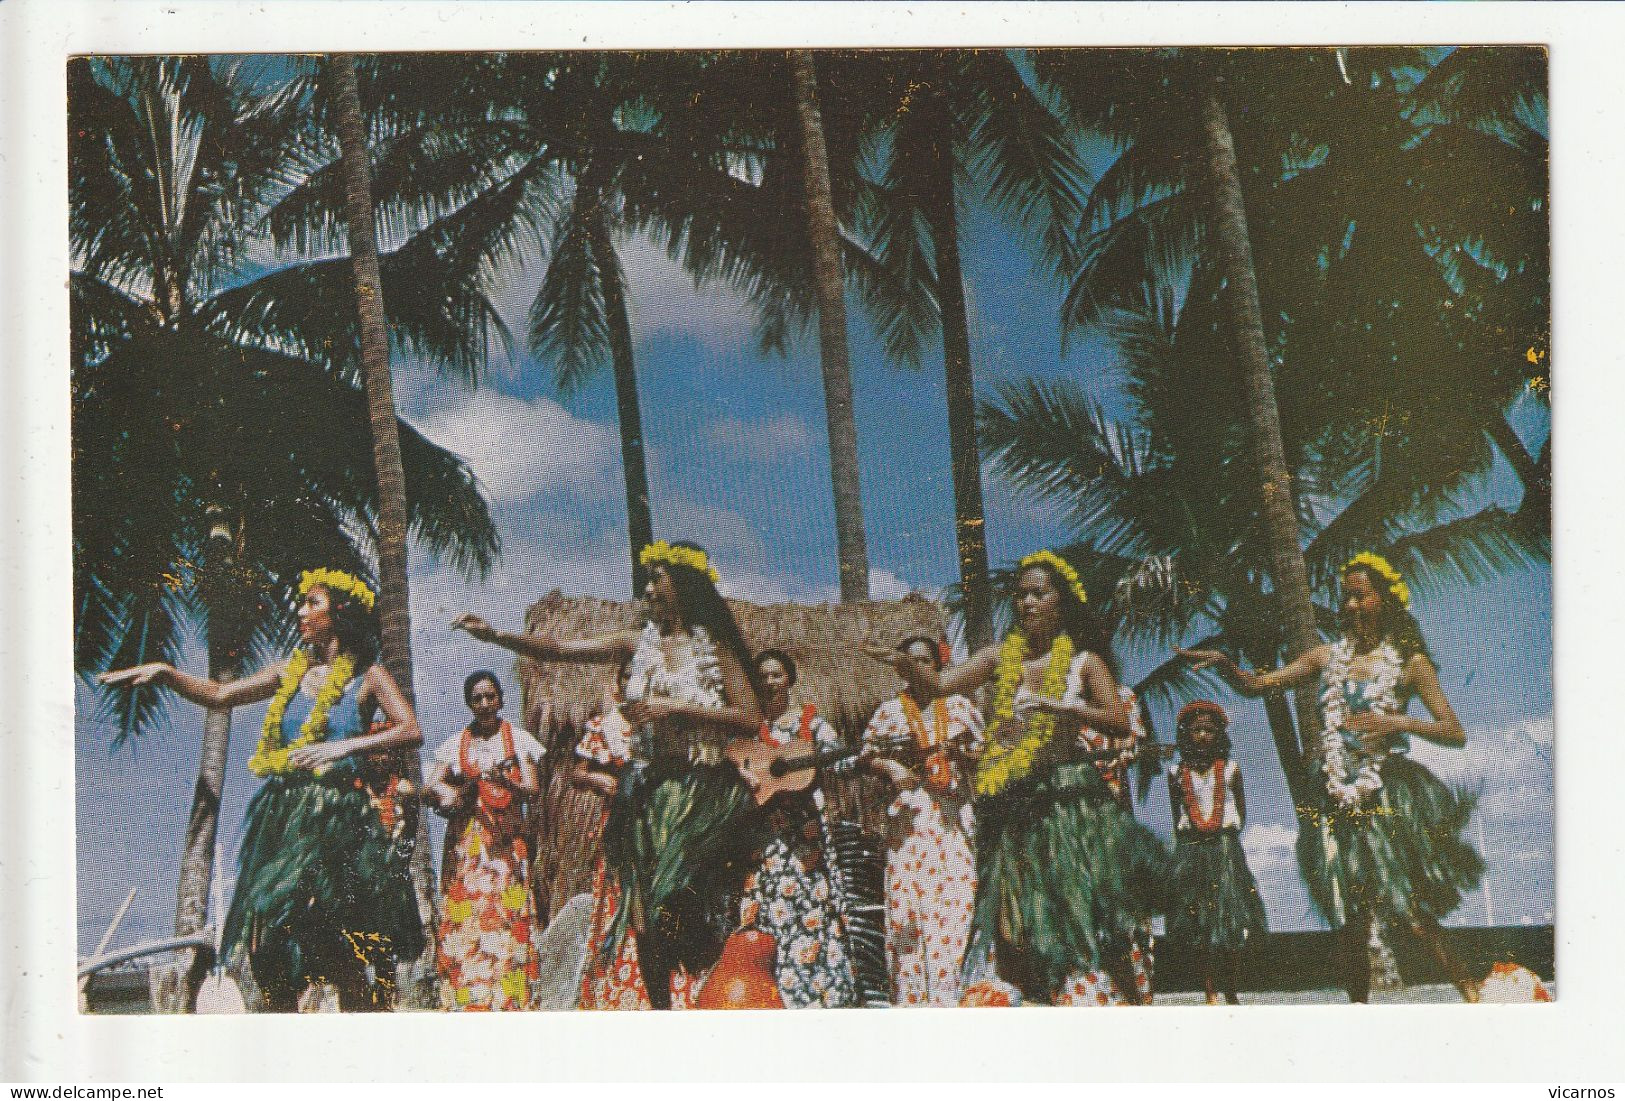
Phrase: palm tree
(823, 232)
(1164, 507)
(1351, 277)
(215, 448)
(951, 115)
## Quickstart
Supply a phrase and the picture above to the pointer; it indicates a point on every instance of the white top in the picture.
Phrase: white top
(486, 752)
(1205, 791)
(1077, 691)
(787, 728)
(698, 682)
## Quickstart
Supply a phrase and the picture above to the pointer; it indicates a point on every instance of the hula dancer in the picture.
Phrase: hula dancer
(1065, 877)
(1213, 906)
(1383, 835)
(926, 746)
(674, 841)
(323, 891)
(483, 782)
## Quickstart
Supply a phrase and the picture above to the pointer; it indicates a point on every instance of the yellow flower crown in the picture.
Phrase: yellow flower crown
(1060, 566)
(663, 551)
(337, 581)
(1378, 565)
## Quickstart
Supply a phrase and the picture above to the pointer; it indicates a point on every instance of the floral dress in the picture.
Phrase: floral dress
(789, 896)
(930, 862)
(487, 952)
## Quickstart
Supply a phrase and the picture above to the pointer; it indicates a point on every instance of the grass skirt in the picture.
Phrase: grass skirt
(320, 883)
(1214, 898)
(1401, 853)
(678, 840)
(1064, 879)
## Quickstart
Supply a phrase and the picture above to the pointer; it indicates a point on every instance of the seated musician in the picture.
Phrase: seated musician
(481, 781)
(790, 894)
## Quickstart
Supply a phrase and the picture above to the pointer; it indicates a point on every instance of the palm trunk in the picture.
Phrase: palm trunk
(965, 461)
(178, 989)
(823, 233)
(1537, 483)
(1234, 256)
(634, 464)
(393, 588)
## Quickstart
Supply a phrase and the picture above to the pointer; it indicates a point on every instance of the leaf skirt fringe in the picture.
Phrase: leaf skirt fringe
(677, 841)
(319, 882)
(1065, 878)
(1399, 854)
(1214, 901)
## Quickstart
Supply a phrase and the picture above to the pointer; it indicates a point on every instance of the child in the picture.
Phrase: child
(1214, 905)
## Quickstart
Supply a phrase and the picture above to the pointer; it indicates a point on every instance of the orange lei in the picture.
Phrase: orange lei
(1206, 823)
(808, 713)
(939, 775)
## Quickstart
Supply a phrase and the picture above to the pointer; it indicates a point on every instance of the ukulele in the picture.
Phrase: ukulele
(770, 769)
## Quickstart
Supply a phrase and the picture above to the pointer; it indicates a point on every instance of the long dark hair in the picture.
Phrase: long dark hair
(354, 626)
(702, 606)
(1078, 620)
(1397, 624)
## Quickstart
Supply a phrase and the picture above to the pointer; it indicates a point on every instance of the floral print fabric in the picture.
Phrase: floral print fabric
(930, 864)
(789, 896)
(487, 958)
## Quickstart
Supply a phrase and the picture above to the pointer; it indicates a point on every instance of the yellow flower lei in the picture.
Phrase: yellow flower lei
(1060, 566)
(663, 551)
(337, 581)
(1002, 765)
(270, 755)
(1378, 565)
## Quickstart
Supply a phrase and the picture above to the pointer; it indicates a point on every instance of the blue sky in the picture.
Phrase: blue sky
(738, 461)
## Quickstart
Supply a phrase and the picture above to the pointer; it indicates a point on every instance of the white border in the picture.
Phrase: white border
(42, 1038)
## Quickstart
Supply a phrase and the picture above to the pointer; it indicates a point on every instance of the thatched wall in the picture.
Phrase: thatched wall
(824, 641)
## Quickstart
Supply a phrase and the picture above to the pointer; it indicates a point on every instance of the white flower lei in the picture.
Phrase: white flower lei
(1347, 785)
(649, 673)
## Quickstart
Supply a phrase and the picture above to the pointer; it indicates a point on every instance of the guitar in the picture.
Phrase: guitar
(770, 769)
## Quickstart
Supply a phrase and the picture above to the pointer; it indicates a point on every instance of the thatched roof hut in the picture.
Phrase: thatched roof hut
(823, 640)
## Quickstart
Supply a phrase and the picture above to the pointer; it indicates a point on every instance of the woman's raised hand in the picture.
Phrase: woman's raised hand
(136, 675)
(475, 626)
(1202, 659)
(894, 658)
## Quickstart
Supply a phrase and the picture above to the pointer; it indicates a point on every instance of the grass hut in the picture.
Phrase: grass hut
(824, 642)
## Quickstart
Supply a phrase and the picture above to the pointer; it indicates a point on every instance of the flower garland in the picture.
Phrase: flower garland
(1002, 765)
(1347, 784)
(270, 755)
(337, 581)
(1214, 819)
(1060, 566)
(663, 551)
(939, 776)
(1378, 565)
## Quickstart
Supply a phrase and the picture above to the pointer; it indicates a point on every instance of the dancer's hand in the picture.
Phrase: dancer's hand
(1203, 659)
(1375, 730)
(136, 675)
(898, 660)
(475, 626)
(638, 712)
(314, 756)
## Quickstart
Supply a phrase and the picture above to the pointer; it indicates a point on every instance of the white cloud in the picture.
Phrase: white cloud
(775, 439)
(666, 301)
(519, 448)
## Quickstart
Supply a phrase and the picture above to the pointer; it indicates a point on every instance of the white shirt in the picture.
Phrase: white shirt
(486, 752)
